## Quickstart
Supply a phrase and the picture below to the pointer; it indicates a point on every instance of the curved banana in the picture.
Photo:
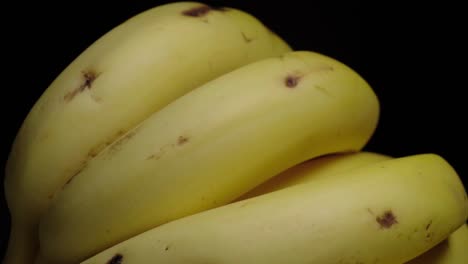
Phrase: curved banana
(386, 212)
(208, 147)
(132, 71)
(452, 250)
(314, 169)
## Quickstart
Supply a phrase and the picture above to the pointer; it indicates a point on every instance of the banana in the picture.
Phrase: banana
(386, 212)
(314, 169)
(208, 147)
(132, 71)
(450, 251)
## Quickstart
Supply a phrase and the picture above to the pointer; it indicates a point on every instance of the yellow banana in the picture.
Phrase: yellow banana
(452, 250)
(135, 69)
(314, 169)
(387, 212)
(208, 147)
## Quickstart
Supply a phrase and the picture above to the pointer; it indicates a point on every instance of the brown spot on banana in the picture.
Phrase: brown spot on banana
(78, 171)
(246, 38)
(155, 156)
(198, 11)
(429, 225)
(88, 78)
(119, 142)
(429, 236)
(291, 80)
(322, 90)
(386, 220)
(94, 151)
(182, 140)
(116, 259)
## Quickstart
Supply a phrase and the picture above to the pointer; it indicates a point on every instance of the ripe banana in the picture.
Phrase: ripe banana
(386, 212)
(135, 69)
(192, 155)
(314, 169)
(452, 250)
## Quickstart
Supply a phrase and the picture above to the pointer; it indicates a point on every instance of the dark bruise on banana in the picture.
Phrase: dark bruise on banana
(293, 79)
(181, 140)
(123, 138)
(386, 219)
(198, 11)
(246, 38)
(116, 259)
(88, 78)
(201, 11)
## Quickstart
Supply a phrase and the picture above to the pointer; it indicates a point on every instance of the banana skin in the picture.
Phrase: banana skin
(386, 212)
(450, 251)
(132, 71)
(208, 147)
(316, 168)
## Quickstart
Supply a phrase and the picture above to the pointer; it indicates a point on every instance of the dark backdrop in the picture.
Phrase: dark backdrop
(409, 55)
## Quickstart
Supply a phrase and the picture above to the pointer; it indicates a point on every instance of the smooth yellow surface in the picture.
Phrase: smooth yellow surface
(210, 146)
(453, 250)
(387, 212)
(136, 69)
(316, 169)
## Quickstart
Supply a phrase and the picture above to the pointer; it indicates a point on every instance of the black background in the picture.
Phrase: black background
(409, 55)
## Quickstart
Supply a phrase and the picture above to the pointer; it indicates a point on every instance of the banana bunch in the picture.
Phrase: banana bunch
(134, 70)
(347, 208)
(193, 134)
